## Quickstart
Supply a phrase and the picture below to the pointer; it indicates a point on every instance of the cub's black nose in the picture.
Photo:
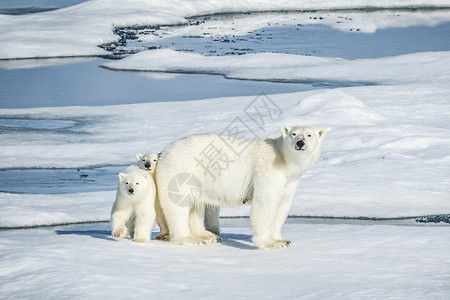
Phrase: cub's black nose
(300, 144)
(131, 191)
(147, 165)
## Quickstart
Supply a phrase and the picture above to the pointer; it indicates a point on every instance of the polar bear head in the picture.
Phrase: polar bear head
(134, 183)
(147, 161)
(303, 139)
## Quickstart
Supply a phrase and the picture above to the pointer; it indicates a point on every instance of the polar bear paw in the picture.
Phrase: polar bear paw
(120, 232)
(275, 244)
(140, 239)
(163, 237)
(283, 243)
(189, 241)
(211, 238)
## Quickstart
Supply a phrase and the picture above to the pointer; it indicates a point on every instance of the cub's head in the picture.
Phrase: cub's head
(134, 183)
(147, 161)
(303, 139)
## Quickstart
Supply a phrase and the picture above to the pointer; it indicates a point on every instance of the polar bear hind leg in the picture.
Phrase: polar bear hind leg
(196, 223)
(212, 219)
(178, 222)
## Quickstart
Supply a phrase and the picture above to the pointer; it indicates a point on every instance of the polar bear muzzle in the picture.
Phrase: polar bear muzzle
(299, 145)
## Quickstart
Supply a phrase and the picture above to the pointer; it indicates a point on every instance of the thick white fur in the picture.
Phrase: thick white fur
(133, 213)
(149, 162)
(265, 174)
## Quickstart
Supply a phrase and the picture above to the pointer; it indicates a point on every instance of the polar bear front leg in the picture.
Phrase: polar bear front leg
(196, 223)
(282, 211)
(118, 220)
(263, 212)
(145, 217)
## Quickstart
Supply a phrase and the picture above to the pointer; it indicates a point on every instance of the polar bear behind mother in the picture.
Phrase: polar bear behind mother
(204, 170)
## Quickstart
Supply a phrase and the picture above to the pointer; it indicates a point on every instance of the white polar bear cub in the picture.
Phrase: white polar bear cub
(147, 161)
(133, 212)
(265, 173)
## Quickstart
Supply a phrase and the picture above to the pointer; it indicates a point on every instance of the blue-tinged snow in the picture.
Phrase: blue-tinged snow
(408, 68)
(385, 154)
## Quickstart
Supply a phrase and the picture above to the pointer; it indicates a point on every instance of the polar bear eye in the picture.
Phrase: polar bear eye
(137, 183)
(154, 160)
(294, 134)
(309, 135)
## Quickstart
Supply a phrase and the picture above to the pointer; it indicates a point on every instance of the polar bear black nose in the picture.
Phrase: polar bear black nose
(147, 165)
(300, 144)
(131, 191)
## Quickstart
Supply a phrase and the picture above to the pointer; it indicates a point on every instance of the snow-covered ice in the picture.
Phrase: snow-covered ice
(386, 155)
(90, 23)
(328, 262)
(407, 68)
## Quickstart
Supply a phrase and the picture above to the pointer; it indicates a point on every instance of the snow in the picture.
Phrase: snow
(90, 23)
(28, 210)
(385, 156)
(373, 262)
(402, 69)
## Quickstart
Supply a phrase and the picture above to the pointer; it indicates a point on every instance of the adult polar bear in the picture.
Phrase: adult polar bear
(266, 174)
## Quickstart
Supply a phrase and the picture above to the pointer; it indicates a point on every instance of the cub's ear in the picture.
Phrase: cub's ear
(285, 130)
(322, 132)
(121, 176)
(139, 156)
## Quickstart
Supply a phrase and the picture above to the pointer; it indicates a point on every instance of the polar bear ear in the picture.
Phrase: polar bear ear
(285, 130)
(322, 132)
(139, 156)
(121, 176)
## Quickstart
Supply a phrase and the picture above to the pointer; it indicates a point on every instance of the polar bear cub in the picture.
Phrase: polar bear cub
(133, 212)
(147, 161)
(264, 174)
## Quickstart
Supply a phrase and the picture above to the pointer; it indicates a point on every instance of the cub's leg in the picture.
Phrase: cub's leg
(145, 217)
(119, 218)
